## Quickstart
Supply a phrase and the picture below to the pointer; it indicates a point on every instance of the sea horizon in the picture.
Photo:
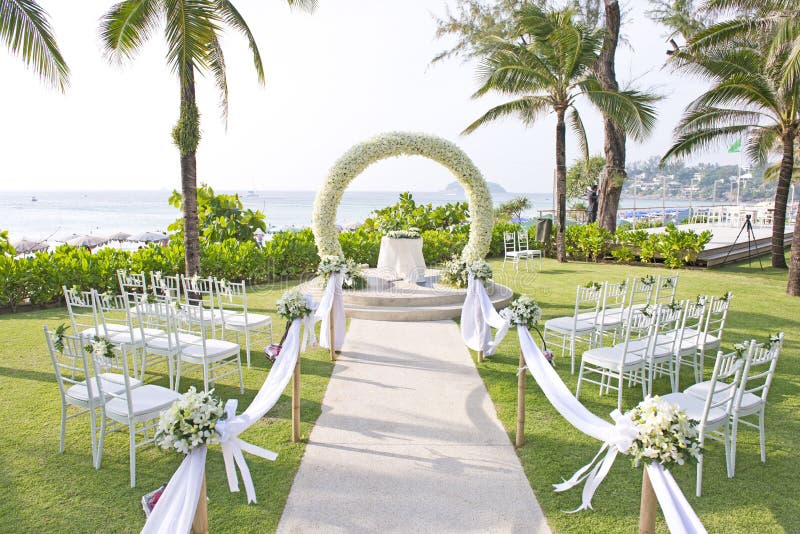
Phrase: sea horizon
(59, 214)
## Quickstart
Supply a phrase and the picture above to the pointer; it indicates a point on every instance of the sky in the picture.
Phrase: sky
(351, 70)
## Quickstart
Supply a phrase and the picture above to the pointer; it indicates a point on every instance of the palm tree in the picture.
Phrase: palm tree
(548, 66)
(750, 96)
(192, 29)
(26, 33)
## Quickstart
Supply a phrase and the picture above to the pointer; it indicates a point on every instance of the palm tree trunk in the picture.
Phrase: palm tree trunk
(189, 122)
(781, 199)
(614, 175)
(793, 287)
(561, 185)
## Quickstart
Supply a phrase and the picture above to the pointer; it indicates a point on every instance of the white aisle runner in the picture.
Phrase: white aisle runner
(409, 441)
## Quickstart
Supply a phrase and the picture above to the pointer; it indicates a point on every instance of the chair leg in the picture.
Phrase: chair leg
(580, 377)
(732, 449)
(241, 380)
(619, 390)
(699, 487)
(247, 346)
(63, 426)
(101, 441)
(762, 435)
(572, 354)
(132, 431)
(93, 429)
(205, 375)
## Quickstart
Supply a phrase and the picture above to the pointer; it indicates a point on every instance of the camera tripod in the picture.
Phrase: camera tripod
(751, 238)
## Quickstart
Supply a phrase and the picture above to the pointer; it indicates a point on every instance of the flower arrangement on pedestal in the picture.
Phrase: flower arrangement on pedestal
(411, 233)
(456, 272)
(190, 422)
(352, 277)
(388, 145)
(526, 312)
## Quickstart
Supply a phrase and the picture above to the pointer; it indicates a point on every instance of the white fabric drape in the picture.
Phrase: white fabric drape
(175, 509)
(478, 317)
(616, 438)
(332, 298)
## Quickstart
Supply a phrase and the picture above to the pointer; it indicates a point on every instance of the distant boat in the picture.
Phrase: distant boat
(34, 199)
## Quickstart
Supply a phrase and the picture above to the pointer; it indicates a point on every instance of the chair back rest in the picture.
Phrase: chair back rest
(116, 363)
(69, 361)
(637, 326)
(82, 312)
(666, 331)
(231, 296)
(522, 238)
(666, 287)
(641, 291)
(112, 310)
(759, 369)
(587, 301)
(614, 296)
(716, 315)
(509, 242)
(199, 291)
(722, 389)
(133, 282)
(161, 284)
(191, 321)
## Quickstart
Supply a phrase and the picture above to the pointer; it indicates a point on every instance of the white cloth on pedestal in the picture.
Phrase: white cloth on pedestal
(402, 257)
(332, 298)
(478, 316)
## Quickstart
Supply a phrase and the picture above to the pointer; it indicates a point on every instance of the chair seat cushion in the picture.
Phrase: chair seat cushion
(109, 382)
(126, 338)
(700, 390)
(163, 344)
(639, 346)
(694, 407)
(564, 325)
(711, 341)
(147, 399)
(254, 320)
(215, 349)
(611, 357)
(92, 332)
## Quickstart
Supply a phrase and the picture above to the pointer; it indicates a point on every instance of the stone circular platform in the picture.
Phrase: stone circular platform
(387, 299)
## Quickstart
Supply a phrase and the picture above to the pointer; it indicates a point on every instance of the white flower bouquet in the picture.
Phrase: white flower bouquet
(294, 305)
(351, 272)
(666, 434)
(456, 272)
(411, 233)
(523, 311)
(99, 346)
(190, 422)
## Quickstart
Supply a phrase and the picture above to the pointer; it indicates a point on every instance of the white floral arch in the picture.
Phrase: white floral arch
(393, 144)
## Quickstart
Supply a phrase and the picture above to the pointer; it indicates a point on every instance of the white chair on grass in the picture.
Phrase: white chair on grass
(163, 285)
(623, 361)
(511, 254)
(132, 282)
(714, 411)
(526, 252)
(137, 408)
(751, 397)
(709, 337)
(667, 332)
(214, 356)
(232, 302)
(578, 327)
(666, 288)
(83, 314)
(202, 292)
(688, 341)
(612, 309)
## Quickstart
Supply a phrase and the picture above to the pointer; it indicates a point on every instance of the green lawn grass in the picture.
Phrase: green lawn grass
(760, 498)
(44, 491)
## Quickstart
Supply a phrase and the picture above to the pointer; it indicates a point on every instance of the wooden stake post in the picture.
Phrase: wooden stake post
(330, 337)
(480, 356)
(521, 402)
(647, 512)
(200, 522)
(296, 402)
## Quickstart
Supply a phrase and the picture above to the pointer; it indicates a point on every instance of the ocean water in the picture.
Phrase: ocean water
(59, 214)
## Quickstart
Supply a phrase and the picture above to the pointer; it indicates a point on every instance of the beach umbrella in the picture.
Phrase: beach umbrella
(86, 241)
(26, 246)
(149, 237)
(119, 236)
(67, 238)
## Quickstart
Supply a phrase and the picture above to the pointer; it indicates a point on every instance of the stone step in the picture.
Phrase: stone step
(417, 313)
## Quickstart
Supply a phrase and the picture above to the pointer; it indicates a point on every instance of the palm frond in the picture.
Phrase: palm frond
(761, 143)
(126, 26)
(192, 26)
(576, 124)
(27, 33)
(632, 110)
(305, 5)
(528, 109)
(512, 72)
(702, 139)
(234, 19)
(216, 64)
(749, 89)
(713, 117)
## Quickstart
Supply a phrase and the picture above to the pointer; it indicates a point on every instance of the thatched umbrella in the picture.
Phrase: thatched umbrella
(88, 241)
(119, 236)
(26, 246)
(149, 237)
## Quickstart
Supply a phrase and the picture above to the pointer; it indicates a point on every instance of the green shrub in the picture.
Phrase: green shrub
(679, 247)
(362, 246)
(623, 254)
(438, 246)
(588, 241)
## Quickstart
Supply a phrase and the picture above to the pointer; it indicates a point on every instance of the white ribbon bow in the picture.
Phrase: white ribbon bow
(233, 447)
(621, 438)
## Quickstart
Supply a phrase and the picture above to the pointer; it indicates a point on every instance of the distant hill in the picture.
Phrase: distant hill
(493, 187)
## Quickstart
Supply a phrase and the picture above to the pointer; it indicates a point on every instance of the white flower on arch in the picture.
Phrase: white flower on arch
(393, 144)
